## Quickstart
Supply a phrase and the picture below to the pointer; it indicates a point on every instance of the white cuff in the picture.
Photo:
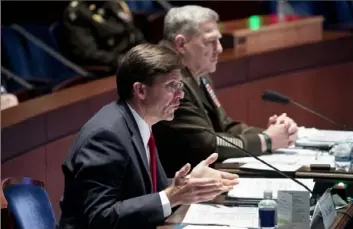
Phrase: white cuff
(167, 210)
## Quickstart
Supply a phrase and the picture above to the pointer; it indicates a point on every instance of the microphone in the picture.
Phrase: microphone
(252, 155)
(277, 97)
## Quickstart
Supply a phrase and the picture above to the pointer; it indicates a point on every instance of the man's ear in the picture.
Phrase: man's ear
(180, 42)
(139, 90)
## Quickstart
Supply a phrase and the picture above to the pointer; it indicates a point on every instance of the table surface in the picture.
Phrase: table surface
(177, 217)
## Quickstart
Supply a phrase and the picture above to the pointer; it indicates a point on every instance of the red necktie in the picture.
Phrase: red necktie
(153, 166)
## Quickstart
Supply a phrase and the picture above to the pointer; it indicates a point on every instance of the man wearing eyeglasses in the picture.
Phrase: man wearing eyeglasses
(113, 176)
(192, 32)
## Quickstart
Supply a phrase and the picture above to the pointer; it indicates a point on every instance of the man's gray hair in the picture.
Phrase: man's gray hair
(185, 20)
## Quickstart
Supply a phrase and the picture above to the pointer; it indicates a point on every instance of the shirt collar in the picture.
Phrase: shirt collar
(144, 129)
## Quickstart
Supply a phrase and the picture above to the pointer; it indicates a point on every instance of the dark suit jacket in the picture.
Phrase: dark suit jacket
(178, 142)
(107, 180)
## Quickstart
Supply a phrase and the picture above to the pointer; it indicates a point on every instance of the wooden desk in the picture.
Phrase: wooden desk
(303, 172)
(37, 134)
(177, 217)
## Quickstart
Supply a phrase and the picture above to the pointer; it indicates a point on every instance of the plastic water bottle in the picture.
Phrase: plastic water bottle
(343, 158)
(267, 211)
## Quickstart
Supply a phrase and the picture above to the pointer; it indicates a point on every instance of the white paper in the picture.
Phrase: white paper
(297, 151)
(255, 187)
(327, 209)
(208, 214)
(316, 135)
(284, 208)
(288, 159)
(211, 227)
(274, 158)
(281, 167)
(300, 209)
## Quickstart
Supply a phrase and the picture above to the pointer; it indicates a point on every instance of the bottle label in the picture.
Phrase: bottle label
(343, 158)
(267, 217)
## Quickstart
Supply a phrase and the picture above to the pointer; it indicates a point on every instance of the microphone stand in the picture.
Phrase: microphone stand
(318, 114)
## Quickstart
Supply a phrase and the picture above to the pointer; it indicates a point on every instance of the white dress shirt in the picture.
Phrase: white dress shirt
(145, 132)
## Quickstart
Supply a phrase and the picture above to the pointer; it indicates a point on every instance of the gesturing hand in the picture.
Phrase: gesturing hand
(202, 184)
(228, 180)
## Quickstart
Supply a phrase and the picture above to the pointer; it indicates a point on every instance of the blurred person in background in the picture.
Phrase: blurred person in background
(98, 33)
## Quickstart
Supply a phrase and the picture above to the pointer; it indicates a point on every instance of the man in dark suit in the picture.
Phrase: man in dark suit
(193, 33)
(98, 32)
(113, 176)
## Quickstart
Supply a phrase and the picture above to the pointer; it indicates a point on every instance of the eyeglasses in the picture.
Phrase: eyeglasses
(174, 86)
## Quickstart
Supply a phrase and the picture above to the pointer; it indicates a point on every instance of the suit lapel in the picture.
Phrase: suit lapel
(136, 138)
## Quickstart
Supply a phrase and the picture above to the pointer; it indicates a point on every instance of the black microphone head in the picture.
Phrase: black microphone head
(275, 97)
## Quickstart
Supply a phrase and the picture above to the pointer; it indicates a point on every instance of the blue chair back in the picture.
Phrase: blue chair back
(46, 64)
(15, 56)
(29, 204)
(12, 45)
(344, 15)
(146, 6)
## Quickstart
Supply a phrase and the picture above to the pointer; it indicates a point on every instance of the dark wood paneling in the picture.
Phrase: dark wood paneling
(305, 56)
(328, 90)
(235, 101)
(334, 48)
(71, 116)
(41, 120)
(230, 72)
(31, 164)
(56, 153)
(22, 137)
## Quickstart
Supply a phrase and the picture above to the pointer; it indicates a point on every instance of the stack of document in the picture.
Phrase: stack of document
(206, 227)
(220, 215)
(311, 137)
(253, 188)
(287, 162)
(334, 136)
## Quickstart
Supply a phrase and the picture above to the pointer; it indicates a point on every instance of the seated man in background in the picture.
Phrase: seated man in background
(192, 32)
(98, 33)
(113, 176)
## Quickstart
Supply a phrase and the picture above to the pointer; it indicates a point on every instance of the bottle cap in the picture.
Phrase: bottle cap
(268, 194)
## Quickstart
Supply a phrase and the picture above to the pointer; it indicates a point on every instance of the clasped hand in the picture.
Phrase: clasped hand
(282, 130)
(201, 184)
